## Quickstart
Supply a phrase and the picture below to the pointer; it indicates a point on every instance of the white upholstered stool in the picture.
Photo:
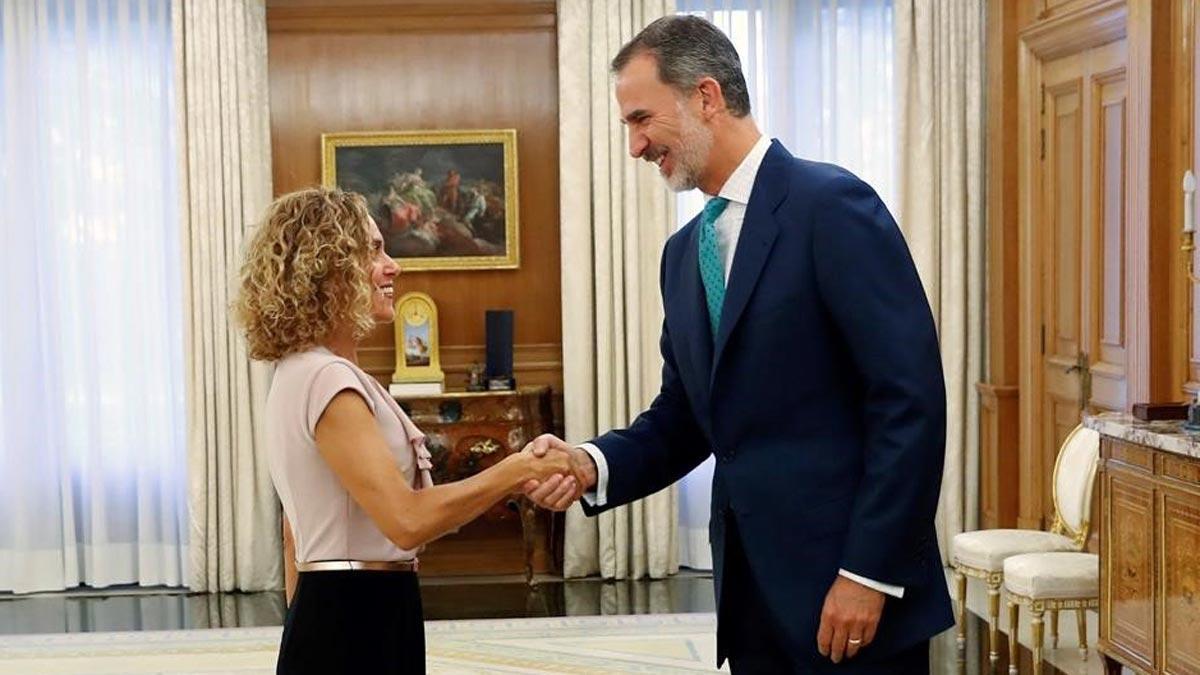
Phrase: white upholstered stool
(1050, 582)
(981, 554)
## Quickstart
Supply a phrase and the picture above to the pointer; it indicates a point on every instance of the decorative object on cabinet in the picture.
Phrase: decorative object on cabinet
(981, 554)
(444, 200)
(1149, 545)
(1050, 582)
(1153, 412)
(418, 366)
(475, 377)
(470, 431)
(498, 325)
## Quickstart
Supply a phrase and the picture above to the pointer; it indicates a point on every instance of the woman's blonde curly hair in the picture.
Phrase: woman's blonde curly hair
(306, 273)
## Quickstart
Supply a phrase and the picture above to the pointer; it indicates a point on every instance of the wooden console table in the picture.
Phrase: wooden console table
(470, 431)
(1149, 545)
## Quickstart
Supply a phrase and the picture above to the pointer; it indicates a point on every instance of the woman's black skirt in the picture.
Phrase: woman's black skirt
(354, 622)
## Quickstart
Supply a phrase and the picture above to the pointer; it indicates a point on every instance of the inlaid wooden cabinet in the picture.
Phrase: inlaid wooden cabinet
(467, 433)
(1149, 559)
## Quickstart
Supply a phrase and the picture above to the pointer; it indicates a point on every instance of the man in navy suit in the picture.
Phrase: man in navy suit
(799, 349)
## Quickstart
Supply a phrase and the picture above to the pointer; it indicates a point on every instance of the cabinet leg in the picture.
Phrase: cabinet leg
(528, 532)
(1111, 666)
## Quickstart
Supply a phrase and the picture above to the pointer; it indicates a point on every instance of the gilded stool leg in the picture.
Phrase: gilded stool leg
(1054, 629)
(1081, 623)
(994, 619)
(960, 586)
(1014, 614)
(1038, 630)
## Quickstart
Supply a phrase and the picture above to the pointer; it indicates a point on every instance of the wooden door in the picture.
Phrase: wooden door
(1080, 229)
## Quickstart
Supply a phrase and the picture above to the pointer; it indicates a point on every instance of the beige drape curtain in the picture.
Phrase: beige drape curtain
(939, 61)
(225, 180)
(616, 215)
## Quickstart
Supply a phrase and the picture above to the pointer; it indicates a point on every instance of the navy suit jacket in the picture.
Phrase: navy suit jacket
(822, 398)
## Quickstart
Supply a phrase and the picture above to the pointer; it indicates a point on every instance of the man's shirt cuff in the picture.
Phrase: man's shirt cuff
(597, 496)
(894, 591)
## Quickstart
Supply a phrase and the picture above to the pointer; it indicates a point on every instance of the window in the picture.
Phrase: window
(820, 77)
(92, 426)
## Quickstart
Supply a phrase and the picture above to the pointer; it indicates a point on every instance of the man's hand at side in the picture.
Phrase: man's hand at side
(557, 493)
(848, 619)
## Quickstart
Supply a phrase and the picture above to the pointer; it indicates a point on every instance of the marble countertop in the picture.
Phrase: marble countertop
(1168, 436)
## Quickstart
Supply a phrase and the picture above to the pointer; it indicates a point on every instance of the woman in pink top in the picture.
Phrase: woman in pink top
(351, 469)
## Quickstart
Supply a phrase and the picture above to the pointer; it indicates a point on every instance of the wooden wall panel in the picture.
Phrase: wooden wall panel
(998, 473)
(1106, 257)
(998, 400)
(1175, 350)
(1111, 240)
(342, 66)
(1063, 221)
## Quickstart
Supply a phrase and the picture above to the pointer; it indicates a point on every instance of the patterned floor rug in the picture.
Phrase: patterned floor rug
(655, 643)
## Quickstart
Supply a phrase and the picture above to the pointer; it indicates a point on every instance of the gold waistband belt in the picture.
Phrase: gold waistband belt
(349, 565)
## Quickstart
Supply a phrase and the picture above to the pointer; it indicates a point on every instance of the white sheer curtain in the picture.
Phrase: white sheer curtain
(91, 378)
(820, 77)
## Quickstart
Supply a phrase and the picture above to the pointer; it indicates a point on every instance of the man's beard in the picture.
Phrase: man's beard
(695, 142)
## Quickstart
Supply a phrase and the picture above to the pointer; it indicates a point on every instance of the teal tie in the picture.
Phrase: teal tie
(712, 267)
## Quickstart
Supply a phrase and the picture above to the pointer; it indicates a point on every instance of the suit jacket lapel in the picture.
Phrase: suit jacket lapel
(759, 229)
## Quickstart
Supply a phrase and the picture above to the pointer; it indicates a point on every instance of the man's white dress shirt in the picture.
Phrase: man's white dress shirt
(729, 227)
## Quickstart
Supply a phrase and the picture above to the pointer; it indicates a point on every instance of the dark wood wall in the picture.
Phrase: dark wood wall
(403, 65)
(395, 65)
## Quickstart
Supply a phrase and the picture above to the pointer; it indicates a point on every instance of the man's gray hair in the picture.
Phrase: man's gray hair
(688, 48)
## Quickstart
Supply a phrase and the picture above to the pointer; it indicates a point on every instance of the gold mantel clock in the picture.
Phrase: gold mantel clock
(418, 366)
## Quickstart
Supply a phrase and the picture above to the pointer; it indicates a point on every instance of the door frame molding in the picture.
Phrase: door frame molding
(1062, 35)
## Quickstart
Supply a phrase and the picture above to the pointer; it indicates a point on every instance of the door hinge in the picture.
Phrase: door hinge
(1043, 153)
(1043, 339)
(1043, 111)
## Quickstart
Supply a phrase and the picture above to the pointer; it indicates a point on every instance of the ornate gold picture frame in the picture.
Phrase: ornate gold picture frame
(417, 358)
(444, 200)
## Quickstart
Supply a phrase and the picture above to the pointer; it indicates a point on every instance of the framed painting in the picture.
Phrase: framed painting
(444, 200)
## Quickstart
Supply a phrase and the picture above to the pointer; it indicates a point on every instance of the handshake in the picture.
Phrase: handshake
(561, 473)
